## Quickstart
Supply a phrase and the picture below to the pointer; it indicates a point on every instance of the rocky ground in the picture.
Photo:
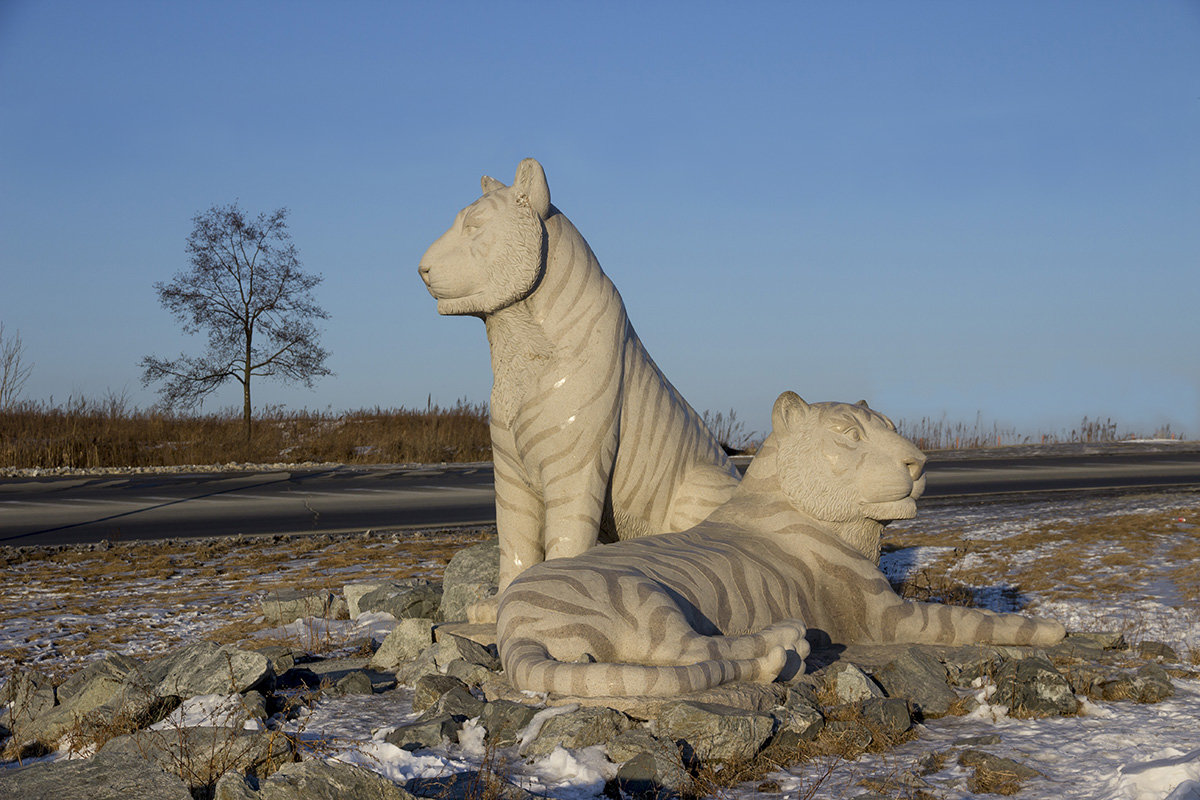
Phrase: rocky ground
(236, 722)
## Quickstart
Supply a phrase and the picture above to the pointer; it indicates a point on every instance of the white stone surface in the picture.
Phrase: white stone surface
(796, 547)
(590, 441)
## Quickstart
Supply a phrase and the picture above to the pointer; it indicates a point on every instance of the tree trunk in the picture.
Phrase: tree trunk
(246, 396)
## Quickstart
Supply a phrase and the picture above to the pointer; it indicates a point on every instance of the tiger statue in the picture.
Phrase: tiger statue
(590, 441)
(791, 557)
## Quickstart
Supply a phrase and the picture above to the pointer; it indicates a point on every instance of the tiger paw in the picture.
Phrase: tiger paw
(484, 611)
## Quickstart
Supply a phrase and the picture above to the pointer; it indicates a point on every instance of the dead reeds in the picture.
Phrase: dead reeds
(85, 433)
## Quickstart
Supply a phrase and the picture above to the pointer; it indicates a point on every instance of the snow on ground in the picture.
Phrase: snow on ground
(1121, 750)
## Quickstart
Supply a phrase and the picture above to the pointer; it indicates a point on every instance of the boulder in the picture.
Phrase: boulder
(403, 600)
(428, 688)
(920, 678)
(206, 668)
(30, 695)
(470, 674)
(648, 763)
(796, 721)
(406, 642)
(467, 786)
(452, 648)
(994, 774)
(889, 714)
(112, 670)
(583, 727)
(312, 780)
(282, 658)
(473, 574)
(355, 682)
(353, 592)
(1032, 687)
(107, 776)
(426, 733)
(850, 684)
(459, 703)
(283, 606)
(503, 720)
(1149, 684)
(1157, 650)
(202, 755)
(711, 732)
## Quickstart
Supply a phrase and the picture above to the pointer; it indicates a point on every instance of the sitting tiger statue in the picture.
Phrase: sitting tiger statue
(589, 439)
(795, 548)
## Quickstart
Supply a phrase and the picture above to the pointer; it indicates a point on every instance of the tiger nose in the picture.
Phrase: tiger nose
(423, 270)
(916, 464)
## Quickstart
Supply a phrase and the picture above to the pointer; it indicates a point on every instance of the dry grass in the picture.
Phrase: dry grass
(86, 433)
(75, 603)
(942, 434)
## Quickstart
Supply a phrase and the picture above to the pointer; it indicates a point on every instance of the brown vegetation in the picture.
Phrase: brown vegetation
(109, 433)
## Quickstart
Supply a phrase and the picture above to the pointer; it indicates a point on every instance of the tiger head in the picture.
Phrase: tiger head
(495, 252)
(845, 464)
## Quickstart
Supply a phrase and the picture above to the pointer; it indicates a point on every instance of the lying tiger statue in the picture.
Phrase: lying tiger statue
(795, 548)
(590, 441)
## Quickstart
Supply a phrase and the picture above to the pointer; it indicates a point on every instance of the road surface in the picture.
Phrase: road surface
(121, 507)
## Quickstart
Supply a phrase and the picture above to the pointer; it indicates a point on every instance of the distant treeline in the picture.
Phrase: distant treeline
(942, 434)
(110, 433)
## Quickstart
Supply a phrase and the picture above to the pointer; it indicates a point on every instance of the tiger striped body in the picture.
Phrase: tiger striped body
(589, 439)
(730, 598)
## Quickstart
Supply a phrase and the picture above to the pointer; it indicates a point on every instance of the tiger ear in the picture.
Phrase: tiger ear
(789, 411)
(531, 184)
(489, 184)
(862, 404)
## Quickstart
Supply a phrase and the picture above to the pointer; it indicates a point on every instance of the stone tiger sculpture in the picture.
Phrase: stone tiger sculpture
(589, 439)
(796, 547)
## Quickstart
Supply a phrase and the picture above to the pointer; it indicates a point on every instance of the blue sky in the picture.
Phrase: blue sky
(942, 207)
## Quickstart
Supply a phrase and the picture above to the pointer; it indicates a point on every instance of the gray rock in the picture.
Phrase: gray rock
(1105, 640)
(409, 672)
(353, 592)
(1149, 684)
(428, 688)
(849, 734)
(889, 714)
(850, 683)
(1076, 648)
(994, 774)
(920, 678)
(503, 720)
(114, 670)
(312, 780)
(711, 732)
(581, 728)
(356, 682)
(1032, 687)
(467, 786)
(288, 605)
(206, 668)
(965, 664)
(426, 733)
(457, 648)
(418, 598)
(405, 642)
(470, 674)
(795, 723)
(202, 755)
(282, 658)
(107, 776)
(1157, 650)
(459, 703)
(31, 694)
(255, 705)
(473, 574)
(648, 763)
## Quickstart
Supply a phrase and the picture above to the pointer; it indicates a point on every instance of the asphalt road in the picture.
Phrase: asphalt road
(46, 511)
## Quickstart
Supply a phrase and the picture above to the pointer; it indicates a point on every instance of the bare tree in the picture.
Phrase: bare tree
(245, 288)
(13, 369)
